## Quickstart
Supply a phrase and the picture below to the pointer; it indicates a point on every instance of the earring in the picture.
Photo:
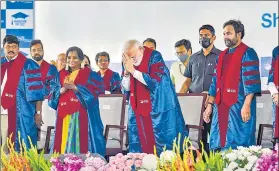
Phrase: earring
(82, 64)
(67, 67)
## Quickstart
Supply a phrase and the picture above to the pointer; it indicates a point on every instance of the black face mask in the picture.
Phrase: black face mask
(205, 42)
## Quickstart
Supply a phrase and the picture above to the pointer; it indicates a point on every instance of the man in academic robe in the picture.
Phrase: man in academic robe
(111, 78)
(235, 83)
(273, 89)
(48, 72)
(22, 92)
(155, 117)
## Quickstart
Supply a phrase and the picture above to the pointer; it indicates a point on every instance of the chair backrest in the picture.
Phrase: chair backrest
(264, 116)
(192, 107)
(112, 111)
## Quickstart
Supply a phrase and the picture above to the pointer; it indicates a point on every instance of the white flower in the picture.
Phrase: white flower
(266, 151)
(227, 169)
(240, 169)
(231, 156)
(232, 165)
(240, 157)
(167, 156)
(246, 153)
(249, 166)
(252, 159)
(149, 162)
(142, 170)
(255, 148)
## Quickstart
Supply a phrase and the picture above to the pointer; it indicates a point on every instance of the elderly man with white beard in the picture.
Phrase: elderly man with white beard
(155, 117)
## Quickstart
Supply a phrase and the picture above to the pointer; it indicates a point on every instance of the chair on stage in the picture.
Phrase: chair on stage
(264, 120)
(112, 111)
(192, 107)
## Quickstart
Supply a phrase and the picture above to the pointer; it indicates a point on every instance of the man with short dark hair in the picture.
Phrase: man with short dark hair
(111, 78)
(22, 91)
(232, 92)
(150, 43)
(183, 50)
(48, 72)
(200, 68)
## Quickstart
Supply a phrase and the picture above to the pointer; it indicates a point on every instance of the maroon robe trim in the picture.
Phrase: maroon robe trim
(229, 91)
(81, 79)
(107, 78)
(8, 97)
(141, 104)
(276, 70)
(44, 68)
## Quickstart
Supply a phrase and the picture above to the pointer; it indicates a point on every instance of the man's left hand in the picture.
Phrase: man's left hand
(128, 63)
(246, 113)
(38, 120)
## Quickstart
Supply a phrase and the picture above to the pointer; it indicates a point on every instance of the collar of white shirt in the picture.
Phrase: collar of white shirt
(12, 58)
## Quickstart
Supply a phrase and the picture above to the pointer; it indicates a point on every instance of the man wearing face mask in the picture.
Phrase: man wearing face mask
(232, 101)
(200, 69)
(183, 50)
(153, 120)
(48, 72)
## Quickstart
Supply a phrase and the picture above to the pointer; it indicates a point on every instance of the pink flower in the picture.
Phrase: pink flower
(121, 165)
(88, 168)
(127, 169)
(117, 161)
(138, 163)
(119, 155)
(129, 163)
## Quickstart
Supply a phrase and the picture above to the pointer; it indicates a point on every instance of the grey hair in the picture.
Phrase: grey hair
(131, 43)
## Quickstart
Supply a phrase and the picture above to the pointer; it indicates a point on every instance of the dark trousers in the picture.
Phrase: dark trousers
(205, 133)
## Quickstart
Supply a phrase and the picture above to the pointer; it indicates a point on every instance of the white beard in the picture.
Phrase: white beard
(139, 61)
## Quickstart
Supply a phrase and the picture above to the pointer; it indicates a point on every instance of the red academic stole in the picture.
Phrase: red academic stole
(276, 70)
(44, 70)
(69, 104)
(107, 78)
(8, 97)
(141, 104)
(229, 90)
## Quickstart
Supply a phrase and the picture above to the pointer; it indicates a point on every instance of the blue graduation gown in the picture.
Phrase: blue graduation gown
(88, 97)
(239, 133)
(166, 115)
(29, 91)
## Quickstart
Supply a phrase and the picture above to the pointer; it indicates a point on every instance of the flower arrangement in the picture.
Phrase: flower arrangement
(268, 161)
(25, 160)
(243, 158)
(129, 162)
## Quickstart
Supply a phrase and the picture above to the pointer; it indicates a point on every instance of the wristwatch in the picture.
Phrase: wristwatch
(38, 112)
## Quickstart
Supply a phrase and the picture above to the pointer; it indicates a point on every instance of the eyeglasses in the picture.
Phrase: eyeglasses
(102, 60)
(11, 47)
(37, 50)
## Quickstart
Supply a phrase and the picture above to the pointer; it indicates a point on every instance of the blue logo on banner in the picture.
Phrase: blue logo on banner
(19, 19)
(19, 4)
(3, 18)
(24, 36)
(265, 66)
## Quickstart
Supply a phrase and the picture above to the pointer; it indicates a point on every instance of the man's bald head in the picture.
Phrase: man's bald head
(61, 61)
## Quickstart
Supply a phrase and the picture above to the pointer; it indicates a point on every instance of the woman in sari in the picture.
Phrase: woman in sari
(74, 95)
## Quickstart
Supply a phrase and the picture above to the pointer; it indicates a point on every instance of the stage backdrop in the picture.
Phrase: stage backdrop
(17, 18)
(104, 26)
